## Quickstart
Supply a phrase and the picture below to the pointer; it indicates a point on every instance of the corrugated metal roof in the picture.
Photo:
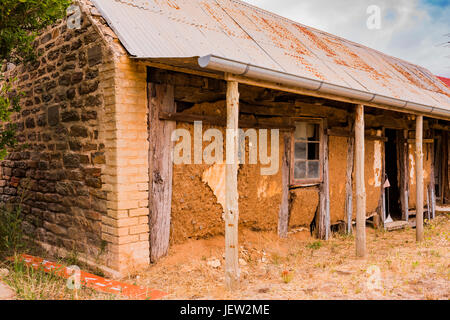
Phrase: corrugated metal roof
(238, 31)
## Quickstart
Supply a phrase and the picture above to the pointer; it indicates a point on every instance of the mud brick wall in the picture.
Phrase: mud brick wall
(60, 156)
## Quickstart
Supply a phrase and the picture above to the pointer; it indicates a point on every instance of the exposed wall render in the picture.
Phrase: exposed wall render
(412, 165)
(377, 163)
(214, 177)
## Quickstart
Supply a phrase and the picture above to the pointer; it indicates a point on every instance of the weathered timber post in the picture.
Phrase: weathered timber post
(283, 215)
(349, 180)
(432, 179)
(419, 178)
(160, 99)
(404, 174)
(360, 183)
(231, 215)
(324, 195)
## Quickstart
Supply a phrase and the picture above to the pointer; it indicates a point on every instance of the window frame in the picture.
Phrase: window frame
(307, 181)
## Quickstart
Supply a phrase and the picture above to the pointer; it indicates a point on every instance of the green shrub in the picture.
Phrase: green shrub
(11, 234)
(315, 245)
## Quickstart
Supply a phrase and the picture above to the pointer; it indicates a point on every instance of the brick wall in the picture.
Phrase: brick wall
(125, 226)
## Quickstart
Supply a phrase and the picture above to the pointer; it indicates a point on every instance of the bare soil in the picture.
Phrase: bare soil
(301, 267)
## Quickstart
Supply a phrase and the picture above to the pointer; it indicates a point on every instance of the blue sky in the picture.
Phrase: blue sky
(410, 29)
(439, 3)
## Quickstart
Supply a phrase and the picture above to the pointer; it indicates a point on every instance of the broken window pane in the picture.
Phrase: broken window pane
(307, 153)
(300, 131)
(300, 170)
(300, 150)
(313, 151)
(313, 132)
(313, 169)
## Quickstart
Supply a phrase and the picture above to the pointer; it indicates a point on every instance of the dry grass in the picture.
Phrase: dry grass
(298, 268)
(302, 268)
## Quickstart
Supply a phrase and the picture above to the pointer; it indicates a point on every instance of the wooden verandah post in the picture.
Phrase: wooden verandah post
(404, 174)
(231, 214)
(419, 178)
(349, 179)
(283, 215)
(324, 227)
(360, 183)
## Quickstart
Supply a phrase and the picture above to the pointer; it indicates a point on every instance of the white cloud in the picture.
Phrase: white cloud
(410, 29)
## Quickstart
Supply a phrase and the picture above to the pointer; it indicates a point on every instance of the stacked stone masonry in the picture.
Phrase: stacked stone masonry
(83, 124)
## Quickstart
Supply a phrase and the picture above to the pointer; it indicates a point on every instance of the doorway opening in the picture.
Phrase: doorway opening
(441, 166)
(438, 166)
(392, 193)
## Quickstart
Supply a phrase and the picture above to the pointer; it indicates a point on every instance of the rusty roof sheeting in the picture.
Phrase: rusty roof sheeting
(238, 31)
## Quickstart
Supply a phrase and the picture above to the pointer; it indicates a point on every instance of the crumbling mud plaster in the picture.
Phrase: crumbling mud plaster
(338, 148)
(373, 192)
(377, 163)
(199, 190)
(337, 170)
(303, 207)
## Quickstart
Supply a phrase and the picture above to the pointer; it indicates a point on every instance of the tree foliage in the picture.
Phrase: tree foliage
(20, 22)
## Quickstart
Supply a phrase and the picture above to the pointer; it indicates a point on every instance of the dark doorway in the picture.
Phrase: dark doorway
(441, 166)
(393, 205)
(438, 155)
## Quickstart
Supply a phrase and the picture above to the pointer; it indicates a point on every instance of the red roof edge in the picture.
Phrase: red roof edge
(445, 80)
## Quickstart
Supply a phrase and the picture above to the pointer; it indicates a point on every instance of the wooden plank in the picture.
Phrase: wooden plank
(283, 216)
(160, 99)
(360, 183)
(349, 179)
(427, 141)
(375, 138)
(396, 225)
(231, 182)
(164, 66)
(324, 195)
(438, 126)
(285, 111)
(337, 132)
(419, 178)
(275, 123)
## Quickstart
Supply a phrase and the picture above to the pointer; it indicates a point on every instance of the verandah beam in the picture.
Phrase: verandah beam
(231, 214)
(419, 178)
(360, 183)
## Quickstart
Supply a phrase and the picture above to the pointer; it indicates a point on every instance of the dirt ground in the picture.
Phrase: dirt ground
(303, 268)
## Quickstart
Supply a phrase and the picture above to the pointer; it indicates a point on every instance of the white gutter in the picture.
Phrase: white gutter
(259, 73)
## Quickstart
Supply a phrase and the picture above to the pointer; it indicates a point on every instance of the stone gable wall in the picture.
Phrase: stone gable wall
(83, 147)
(60, 156)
